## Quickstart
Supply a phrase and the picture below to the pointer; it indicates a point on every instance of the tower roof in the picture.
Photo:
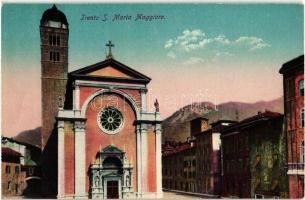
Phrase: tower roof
(53, 14)
(294, 64)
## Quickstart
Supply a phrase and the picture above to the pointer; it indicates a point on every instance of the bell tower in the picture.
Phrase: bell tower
(54, 35)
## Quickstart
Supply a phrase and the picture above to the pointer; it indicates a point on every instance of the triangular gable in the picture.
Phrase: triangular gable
(111, 174)
(111, 149)
(110, 69)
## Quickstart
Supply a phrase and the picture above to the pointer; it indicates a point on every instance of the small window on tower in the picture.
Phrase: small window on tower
(57, 56)
(58, 40)
(54, 56)
(50, 40)
(54, 40)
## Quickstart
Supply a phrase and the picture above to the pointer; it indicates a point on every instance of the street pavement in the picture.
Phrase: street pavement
(174, 195)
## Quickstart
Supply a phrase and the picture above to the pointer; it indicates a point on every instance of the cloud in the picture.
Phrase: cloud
(252, 43)
(168, 44)
(191, 39)
(223, 53)
(171, 55)
(193, 61)
(195, 39)
(222, 39)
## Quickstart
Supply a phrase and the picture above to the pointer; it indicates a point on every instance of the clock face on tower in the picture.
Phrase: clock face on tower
(110, 120)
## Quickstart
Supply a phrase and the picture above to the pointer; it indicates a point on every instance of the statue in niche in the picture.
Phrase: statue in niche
(97, 181)
(127, 180)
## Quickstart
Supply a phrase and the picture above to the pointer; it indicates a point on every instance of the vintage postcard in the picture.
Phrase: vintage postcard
(152, 100)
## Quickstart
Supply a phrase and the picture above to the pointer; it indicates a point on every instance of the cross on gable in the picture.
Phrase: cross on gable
(109, 45)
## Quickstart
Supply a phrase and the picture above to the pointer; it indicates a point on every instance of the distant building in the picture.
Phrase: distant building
(194, 166)
(208, 144)
(179, 167)
(198, 125)
(13, 180)
(24, 176)
(293, 83)
(254, 153)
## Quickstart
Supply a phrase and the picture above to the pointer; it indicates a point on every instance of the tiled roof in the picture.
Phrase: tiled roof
(8, 152)
(267, 115)
(18, 142)
(292, 64)
(178, 148)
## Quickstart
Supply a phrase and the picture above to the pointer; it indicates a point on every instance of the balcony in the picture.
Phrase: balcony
(296, 168)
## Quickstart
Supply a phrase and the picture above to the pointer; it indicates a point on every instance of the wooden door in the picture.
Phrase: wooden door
(112, 189)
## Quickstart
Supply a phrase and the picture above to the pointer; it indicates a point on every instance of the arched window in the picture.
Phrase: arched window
(17, 169)
(58, 40)
(54, 40)
(54, 56)
(301, 87)
(8, 169)
(9, 186)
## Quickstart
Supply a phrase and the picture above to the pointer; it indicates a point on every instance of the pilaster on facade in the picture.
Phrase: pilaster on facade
(80, 159)
(61, 159)
(139, 161)
(143, 100)
(76, 97)
(158, 142)
(144, 152)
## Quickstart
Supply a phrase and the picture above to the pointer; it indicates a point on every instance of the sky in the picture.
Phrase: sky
(195, 52)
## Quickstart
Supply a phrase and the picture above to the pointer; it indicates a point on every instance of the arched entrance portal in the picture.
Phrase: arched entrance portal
(110, 175)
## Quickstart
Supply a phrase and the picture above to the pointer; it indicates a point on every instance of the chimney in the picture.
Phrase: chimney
(199, 125)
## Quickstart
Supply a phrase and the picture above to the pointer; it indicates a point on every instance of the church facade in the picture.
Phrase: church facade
(107, 144)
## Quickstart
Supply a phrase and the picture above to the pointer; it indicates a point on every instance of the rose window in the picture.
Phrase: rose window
(110, 120)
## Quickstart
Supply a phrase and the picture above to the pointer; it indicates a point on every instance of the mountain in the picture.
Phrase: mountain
(177, 126)
(30, 136)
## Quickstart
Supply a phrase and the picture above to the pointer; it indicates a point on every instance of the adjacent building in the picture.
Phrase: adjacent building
(20, 168)
(195, 165)
(208, 179)
(13, 180)
(293, 84)
(179, 167)
(254, 156)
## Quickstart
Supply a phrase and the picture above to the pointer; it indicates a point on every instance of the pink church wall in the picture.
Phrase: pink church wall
(151, 160)
(125, 140)
(69, 158)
